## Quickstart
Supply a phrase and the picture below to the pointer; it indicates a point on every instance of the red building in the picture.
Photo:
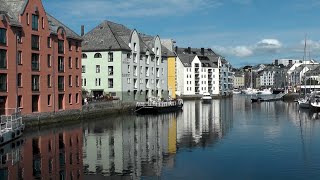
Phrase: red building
(40, 60)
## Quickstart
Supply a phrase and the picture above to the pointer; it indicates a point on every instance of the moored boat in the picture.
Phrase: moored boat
(206, 98)
(264, 92)
(304, 103)
(157, 107)
(11, 127)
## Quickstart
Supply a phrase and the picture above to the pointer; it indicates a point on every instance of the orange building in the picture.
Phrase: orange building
(40, 60)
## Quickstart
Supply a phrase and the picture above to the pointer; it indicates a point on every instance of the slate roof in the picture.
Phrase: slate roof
(166, 52)
(105, 37)
(14, 8)
(55, 24)
(186, 59)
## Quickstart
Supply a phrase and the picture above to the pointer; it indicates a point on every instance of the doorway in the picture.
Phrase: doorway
(61, 99)
(35, 103)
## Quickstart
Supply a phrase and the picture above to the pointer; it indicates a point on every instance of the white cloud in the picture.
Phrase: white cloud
(263, 46)
(269, 44)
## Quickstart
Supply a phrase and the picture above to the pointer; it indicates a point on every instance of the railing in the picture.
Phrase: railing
(11, 122)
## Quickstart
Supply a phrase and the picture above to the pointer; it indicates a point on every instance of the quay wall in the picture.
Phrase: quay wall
(90, 111)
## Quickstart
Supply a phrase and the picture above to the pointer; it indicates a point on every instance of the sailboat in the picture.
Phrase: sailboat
(250, 90)
(304, 102)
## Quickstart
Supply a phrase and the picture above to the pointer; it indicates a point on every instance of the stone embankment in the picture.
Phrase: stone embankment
(93, 110)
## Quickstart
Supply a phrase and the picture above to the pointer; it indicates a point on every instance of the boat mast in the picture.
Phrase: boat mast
(304, 58)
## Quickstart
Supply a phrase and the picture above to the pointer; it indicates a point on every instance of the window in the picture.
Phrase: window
(60, 64)
(162, 71)
(84, 56)
(3, 59)
(135, 71)
(135, 46)
(97, 68)
(49, 100)
(27, 16)
(3, 82)
(19, 58)
(49, 60)
(110, 70)
(162, 60)
(3, 36)
(83, 69)
(49, 42)
(110, 83)
(110, 57)
(70, 45)
(77, 63)
(61, 83)
(19, 101)
(147, 71)
(35, 82)
(70, 98)
(70, 63)
(128, 80)
(141, 57)
(19, 36)
(77, 98)
(35, 42)
(49, 81)
(42, 22)
(128, 56)
(60, 46)
(77, 81)
(135, 58)
(98, 82)
(19, 80)
(84, 82)
(97, 55)
(70, 81)
(158, 62)
(35, 22)
(129, 68)
(77, 46)
(35, 62)
(147, 59)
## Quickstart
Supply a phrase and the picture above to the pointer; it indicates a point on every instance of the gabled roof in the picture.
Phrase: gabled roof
(166, 52)
(56, 24)
(12, 9)
(186, 59)
(105, 37)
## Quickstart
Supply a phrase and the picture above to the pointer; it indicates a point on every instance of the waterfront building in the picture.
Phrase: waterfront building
(286, 62)
(226, 77)
(123, 63)
(267, 77)
(40, 65)
(197, 71)
(239, 80)
(172, 69)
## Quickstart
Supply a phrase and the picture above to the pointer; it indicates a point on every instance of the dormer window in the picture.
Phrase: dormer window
(84, 56)
(97, 55)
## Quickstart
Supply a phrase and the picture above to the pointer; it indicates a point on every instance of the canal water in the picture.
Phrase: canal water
(228, 139)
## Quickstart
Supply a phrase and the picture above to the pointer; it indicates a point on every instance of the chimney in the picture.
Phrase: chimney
(189, 50)
(202, 51)
(176, 49)
(82, 30)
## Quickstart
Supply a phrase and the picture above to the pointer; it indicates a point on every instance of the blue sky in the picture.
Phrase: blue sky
(243, 31)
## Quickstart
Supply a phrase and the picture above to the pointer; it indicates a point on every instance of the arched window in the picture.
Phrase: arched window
(84, 56)
(97, 55)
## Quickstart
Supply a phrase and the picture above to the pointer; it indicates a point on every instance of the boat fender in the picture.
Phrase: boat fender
(1, 139)
(13, 135)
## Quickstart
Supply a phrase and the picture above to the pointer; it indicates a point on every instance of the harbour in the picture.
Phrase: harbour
(204, 140)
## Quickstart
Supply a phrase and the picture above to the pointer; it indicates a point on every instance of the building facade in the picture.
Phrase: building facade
(239, 80)
(40, 60)
(197, 71)
(123, 63)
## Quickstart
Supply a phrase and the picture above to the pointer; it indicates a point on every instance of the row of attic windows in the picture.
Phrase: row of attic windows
(99, 55)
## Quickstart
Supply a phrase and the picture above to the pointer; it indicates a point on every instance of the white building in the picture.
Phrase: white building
(196, 73)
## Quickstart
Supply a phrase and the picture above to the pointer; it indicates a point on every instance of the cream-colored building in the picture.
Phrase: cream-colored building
(238, 81)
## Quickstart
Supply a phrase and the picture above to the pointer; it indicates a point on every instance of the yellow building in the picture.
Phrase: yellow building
(172, 76)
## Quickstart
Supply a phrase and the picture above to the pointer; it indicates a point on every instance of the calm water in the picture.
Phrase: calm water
(228, 139)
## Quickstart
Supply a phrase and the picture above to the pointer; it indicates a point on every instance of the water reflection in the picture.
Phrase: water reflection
(139, 146)
(53, 155)
(244, 135)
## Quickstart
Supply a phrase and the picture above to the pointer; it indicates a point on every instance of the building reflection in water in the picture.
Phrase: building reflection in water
(138, 146)
(52, 155)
